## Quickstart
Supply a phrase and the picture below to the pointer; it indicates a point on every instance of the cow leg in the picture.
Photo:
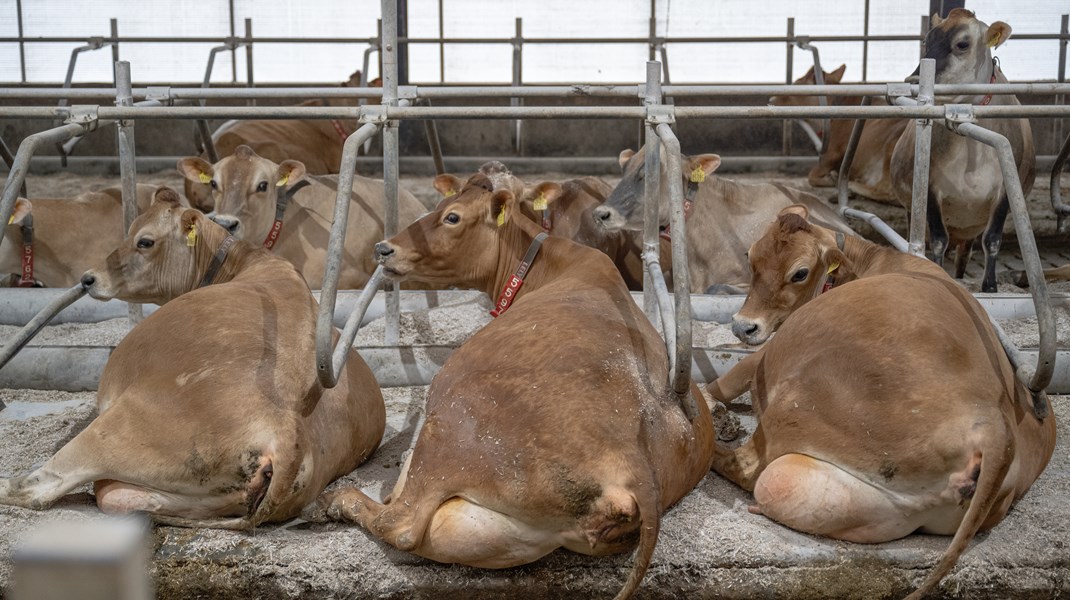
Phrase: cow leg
(817, 497)
(737, 380)
(744, 464)
(993, 238)
(963, 252)
(75, 464)
(459, 532)
(937, 230)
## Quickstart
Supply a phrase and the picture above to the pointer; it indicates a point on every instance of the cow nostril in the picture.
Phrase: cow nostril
(88, 280)
(753, 329)
(601, 213)
(232, 227)
(383, 250)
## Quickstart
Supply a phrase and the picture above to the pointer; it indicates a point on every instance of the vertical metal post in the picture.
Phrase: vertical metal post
(114, 25)
(924, 33)
(431, 131)
(249, 59)
(1064, 34)
(125, 133)
(22, 45)
(388, 52)
(865, 43)
(919, 201)
(653, 33)
(441, 44)
(849, 157)
(518, 66)
(786, 124)
(651, 183)
(233, 51)
(403, 46)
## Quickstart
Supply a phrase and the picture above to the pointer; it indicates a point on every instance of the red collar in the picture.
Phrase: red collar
(988, 98)
(342, 133)
(512, 286)
(280, 211)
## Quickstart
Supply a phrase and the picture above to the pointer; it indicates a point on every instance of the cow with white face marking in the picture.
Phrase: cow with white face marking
(966, 196)
(210, 417)
(724, 217)
(278, 206)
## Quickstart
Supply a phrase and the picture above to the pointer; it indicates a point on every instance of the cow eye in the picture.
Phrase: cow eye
(215, 186)
(452, 218)
(262, 187)
(145, 243)
(964, 44)
(800, 275)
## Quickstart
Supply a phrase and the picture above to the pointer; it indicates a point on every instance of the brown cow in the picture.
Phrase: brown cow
(885, 406)
(966, 194)
(210, 417)
(247, 190)
(869, 174)
(315, 142)
(68, 235)
(553, 425)
(725, 217)
(564, 210)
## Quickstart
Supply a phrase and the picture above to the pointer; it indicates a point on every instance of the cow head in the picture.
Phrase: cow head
(245, 188)
(962, 47)
(457, 243)
(788, 264)
(624, 207)
(164, 255)
(808, 79)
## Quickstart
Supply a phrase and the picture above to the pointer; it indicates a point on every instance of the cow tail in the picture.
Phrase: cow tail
(996, 458)
(649, 525)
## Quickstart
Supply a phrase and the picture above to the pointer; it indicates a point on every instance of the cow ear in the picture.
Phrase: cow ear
(543, 195)
(698, 167)
(289, 172)
(501, 207)
(191, 220)
(837, 265)
(166, 195)
(936, 20)
(448, 185)
(837, 75)
(196, 169)
(22, 208)
(808, 76)
(625, 156)
(997, 33)
(795, 209)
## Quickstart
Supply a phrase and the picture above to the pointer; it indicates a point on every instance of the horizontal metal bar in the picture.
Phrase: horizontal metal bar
(508, 91)
(530, 112)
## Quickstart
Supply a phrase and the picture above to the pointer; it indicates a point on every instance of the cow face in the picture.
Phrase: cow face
(623, 209)
(962, 47)
(457, 243)
(808, 79)
(157, 260)
(788, 264)
(245, 189)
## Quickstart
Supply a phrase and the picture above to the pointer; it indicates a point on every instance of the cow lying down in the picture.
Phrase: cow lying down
(210, 417)
(886, 405)
(553, 425)
(564, 211)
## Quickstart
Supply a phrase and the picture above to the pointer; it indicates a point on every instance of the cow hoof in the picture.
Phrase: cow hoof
(1019, 278)
(316, 512)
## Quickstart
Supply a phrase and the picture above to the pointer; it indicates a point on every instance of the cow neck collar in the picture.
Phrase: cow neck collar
(988, 97)
(831, 277)
(340, 129)
(689, 203)
(280, 210)
(24, 278)
(514, 282)
(218, 259)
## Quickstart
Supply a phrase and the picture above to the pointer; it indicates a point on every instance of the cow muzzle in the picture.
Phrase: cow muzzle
(608, 217)
(96, 286)
(749, 331)
(231, 223)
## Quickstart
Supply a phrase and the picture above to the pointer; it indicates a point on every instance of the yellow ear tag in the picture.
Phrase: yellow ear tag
(204, 177)
(283, 181)
(451, 192)
(191, 237)
(698, 175)
(501, 217)
(540, 202)
(832, 268)
(992, 43)
(11, 219)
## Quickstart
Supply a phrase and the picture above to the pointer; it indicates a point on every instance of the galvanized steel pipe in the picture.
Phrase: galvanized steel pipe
(40, 320)
(651, 188)
(127, 168)
(1061, 210)
(353, 323)
(681, 281)
(919, 201)
(849, 158)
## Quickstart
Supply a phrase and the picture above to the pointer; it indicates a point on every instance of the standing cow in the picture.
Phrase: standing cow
(210, 417)
(966, 194)
(276, 205)
(908, 418)
(724, 217)
(553, 425)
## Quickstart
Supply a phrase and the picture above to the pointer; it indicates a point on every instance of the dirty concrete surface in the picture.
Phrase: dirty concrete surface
(710, 545)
